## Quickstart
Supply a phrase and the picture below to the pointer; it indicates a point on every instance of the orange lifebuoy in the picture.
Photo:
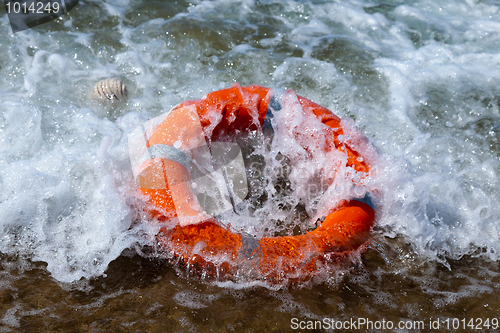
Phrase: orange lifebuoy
(197, 240)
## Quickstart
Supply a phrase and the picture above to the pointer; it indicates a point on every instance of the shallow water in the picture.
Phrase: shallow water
(419, 78)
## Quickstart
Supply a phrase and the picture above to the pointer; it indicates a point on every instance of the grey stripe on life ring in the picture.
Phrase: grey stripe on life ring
(167, 152)
(275, 105)
(367, 199)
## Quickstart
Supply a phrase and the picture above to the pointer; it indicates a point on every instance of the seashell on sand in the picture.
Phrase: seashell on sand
(110, 89)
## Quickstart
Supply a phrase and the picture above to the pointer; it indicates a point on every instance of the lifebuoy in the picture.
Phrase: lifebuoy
(196, 240)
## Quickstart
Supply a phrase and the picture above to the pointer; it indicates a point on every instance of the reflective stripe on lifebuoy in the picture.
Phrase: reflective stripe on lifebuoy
(161, 167)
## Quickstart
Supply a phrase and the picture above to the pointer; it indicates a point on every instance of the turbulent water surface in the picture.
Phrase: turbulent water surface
(420, 78)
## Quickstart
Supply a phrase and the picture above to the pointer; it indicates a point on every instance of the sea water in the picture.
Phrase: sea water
(420, 78)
